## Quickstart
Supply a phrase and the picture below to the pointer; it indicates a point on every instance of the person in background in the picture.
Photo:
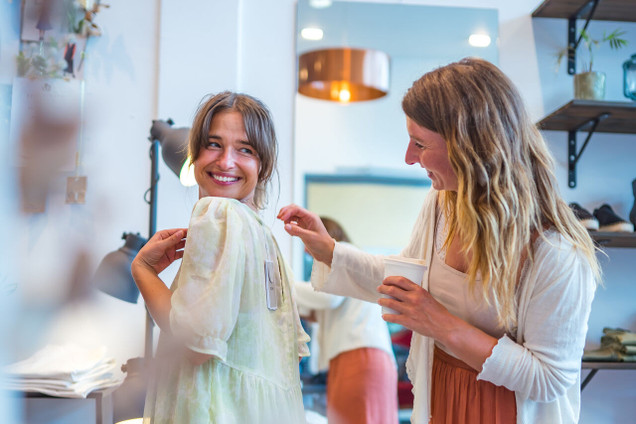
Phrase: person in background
(500, 318)
(355, 346)
(231, 336)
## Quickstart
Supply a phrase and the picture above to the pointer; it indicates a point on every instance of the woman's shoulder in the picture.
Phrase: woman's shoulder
(212, 202)
(551, 242)
(222, 208)
(556, 251)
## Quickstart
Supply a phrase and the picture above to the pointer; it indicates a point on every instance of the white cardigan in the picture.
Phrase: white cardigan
(540, 362)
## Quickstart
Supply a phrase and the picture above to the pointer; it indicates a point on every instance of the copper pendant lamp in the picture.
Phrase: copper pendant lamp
(343, 74)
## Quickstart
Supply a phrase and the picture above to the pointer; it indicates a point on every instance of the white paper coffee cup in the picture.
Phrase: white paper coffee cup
(412, 269)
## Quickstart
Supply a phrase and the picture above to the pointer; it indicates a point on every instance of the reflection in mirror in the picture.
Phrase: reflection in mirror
(369, 137)
(364, 202)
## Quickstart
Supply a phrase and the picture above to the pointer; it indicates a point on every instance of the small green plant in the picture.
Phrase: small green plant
(46, 58)
(588, 44)
(40, 60)
(24, 63)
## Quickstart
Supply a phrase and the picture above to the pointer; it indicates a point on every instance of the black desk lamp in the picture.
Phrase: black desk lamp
(113, 274)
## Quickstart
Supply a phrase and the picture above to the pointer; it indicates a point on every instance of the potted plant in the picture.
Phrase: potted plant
(590, 84)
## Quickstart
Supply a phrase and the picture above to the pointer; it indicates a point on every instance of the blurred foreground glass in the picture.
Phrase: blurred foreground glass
(114, 277)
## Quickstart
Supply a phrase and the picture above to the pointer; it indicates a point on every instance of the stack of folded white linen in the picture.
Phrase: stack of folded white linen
(63, 371)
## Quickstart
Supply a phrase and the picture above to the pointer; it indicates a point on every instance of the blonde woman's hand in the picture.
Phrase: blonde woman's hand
(163, 248)
(309, 228)
(420, 312)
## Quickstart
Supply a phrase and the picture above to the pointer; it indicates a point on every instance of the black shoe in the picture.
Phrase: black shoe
(632, 214)
(609, 221)
(586, 218)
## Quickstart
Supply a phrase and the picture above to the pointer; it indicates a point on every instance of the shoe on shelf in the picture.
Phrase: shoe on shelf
(632, 214)
(587, 219)
(609, 221)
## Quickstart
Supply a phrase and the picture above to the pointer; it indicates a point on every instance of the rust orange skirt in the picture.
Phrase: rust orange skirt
(457, 397)
(362, 388)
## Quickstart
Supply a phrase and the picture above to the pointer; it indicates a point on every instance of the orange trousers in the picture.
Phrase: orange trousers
(457, 396)
(362, 388)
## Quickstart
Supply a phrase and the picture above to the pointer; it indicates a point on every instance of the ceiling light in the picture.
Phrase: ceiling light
(319, 4)
(311, 33)
(343, 74)
(479, 40)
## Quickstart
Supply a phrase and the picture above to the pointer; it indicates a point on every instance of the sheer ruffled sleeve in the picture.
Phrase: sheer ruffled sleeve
(206, 301)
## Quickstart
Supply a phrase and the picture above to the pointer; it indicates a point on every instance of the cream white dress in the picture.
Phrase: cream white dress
(220, 308)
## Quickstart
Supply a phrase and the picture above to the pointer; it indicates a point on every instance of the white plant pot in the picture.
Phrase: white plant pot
(589, 85)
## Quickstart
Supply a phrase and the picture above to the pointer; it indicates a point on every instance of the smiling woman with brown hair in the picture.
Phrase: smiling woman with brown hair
(231, 336)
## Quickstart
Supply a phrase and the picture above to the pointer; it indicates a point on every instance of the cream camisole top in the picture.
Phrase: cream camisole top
(450, 287)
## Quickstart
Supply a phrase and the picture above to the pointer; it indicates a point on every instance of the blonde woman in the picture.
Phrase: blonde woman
(500, 318)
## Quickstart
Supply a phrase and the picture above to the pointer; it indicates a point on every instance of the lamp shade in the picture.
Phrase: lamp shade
(174, 147)
(343, 74)
(113, 274)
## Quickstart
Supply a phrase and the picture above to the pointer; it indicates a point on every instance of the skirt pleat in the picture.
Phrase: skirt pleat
(457, 397)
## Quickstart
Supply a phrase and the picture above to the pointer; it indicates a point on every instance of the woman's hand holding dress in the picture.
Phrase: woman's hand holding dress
(163, 248)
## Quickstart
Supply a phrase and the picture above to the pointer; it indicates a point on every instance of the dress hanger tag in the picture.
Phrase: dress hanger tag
(272, 286)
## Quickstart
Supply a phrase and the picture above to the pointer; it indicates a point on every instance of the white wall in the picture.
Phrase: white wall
(248, 45)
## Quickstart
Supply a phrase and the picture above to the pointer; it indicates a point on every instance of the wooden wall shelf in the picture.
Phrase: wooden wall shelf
(574, 10)
(569, 117)
(608, 365)
(607, 10)
(614, 239)
(595, 366)
(591, 116)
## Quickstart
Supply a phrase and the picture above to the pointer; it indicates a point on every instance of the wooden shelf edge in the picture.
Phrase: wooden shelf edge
(575, 113)
(607, 10)
(614, 239)
(608, 365)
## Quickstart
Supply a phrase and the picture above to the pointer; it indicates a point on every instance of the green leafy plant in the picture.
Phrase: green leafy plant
(588, 45)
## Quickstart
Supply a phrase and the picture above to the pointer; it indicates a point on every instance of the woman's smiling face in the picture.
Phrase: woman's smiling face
(228, 166)
(429, 149)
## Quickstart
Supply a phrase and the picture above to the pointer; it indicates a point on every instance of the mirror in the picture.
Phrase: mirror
(367, 140)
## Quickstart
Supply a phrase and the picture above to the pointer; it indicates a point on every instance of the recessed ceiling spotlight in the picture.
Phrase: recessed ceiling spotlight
(311, 33)
(319, 4)
(479, 40)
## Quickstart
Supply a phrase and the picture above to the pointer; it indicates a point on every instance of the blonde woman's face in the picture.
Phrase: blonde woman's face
(429, 149)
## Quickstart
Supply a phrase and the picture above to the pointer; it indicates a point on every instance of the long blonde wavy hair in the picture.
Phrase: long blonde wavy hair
(507, 192)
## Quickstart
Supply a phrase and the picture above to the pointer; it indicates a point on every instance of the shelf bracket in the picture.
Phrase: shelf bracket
(589, 377)
(573, 43)
(573, 155)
